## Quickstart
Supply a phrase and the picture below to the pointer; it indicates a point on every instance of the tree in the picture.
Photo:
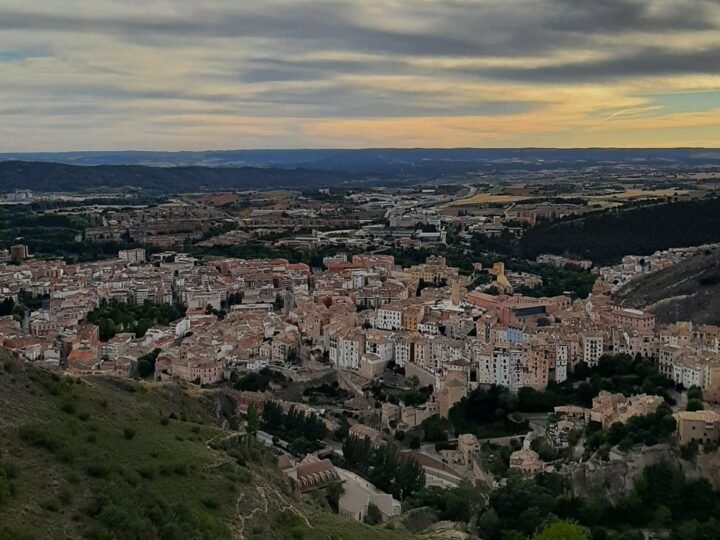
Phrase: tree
(373, 516)
(695, 392)
(6, 307)
(301, 446)
(146, 363)
(272, 415)
(358, 453)
(253, 420)
(333, 493)
(435, 429)
(489, 525)
(563, 530)
(695, 405)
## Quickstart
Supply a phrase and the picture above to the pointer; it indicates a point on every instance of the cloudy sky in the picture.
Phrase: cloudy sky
(207, 74)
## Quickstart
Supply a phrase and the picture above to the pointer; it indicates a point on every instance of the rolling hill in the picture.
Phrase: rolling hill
(418, 162)
(44, 177)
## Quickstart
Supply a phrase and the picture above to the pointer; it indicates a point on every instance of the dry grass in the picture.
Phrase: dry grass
(487, 198)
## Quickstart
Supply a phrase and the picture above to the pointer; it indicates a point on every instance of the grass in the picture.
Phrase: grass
(107, 458)
(487, 198)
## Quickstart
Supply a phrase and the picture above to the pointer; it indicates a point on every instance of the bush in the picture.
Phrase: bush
(129, 433)
(147, 471)
(689, 451)
(39, 436)
(67, 407)
(695, 405)
(373, 516)
(97, 470)
(51, 505)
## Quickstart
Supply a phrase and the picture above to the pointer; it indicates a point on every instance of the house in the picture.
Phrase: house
(527, 462)
(358, 494)
(700, 426)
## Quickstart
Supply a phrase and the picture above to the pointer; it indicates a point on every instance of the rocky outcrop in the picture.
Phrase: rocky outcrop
(614, 478)
(447, 530)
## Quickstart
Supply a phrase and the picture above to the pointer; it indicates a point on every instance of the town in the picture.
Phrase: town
(368, 352)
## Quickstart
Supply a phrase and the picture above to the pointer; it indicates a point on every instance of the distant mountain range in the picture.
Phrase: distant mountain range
(420, 162)
(177, 172)
(58, 177)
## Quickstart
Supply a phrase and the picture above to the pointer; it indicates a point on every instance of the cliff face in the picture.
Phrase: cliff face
(687, 291)
(705, 466)
(615, 478)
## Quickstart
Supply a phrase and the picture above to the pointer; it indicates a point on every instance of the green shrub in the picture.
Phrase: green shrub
(98, 470)
(67, 407)
(39, 436)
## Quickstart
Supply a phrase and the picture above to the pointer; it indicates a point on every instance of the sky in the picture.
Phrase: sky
(212, 74)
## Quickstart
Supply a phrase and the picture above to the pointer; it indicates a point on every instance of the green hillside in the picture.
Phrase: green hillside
(112, 459)
(605, 237)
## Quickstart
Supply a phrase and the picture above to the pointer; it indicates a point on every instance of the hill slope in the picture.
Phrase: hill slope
(605, 237)
(104, 458)
(72, 178)
(424, 162)
(688, 291)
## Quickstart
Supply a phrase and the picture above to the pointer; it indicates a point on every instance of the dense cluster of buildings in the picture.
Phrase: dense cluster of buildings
(362, 314)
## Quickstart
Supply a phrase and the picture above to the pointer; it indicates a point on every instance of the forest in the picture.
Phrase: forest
(605, 237)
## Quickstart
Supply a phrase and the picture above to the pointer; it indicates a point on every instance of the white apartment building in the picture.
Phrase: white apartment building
(562, 356)
(389, 317)
(132, 256)
(508, 367)
(350, 348)
(592, 346)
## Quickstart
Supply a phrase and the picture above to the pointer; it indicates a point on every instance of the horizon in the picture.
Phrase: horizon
(361, 148)
(336, 74)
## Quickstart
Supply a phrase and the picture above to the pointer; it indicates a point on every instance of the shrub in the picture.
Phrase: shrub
(67, 407)
(97, 470)
(373, 516)
(65, 496)
(211, 503)
(51, 505)
(147, 471)
(129, 433)
(39, 436)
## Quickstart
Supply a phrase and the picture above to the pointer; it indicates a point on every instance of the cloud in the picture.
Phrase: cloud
(646, 62)
(111, 73)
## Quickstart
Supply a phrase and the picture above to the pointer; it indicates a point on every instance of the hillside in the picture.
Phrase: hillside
(417, 162)
(39, 176)
(605, 237)
(689, 291)
(103, 458)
